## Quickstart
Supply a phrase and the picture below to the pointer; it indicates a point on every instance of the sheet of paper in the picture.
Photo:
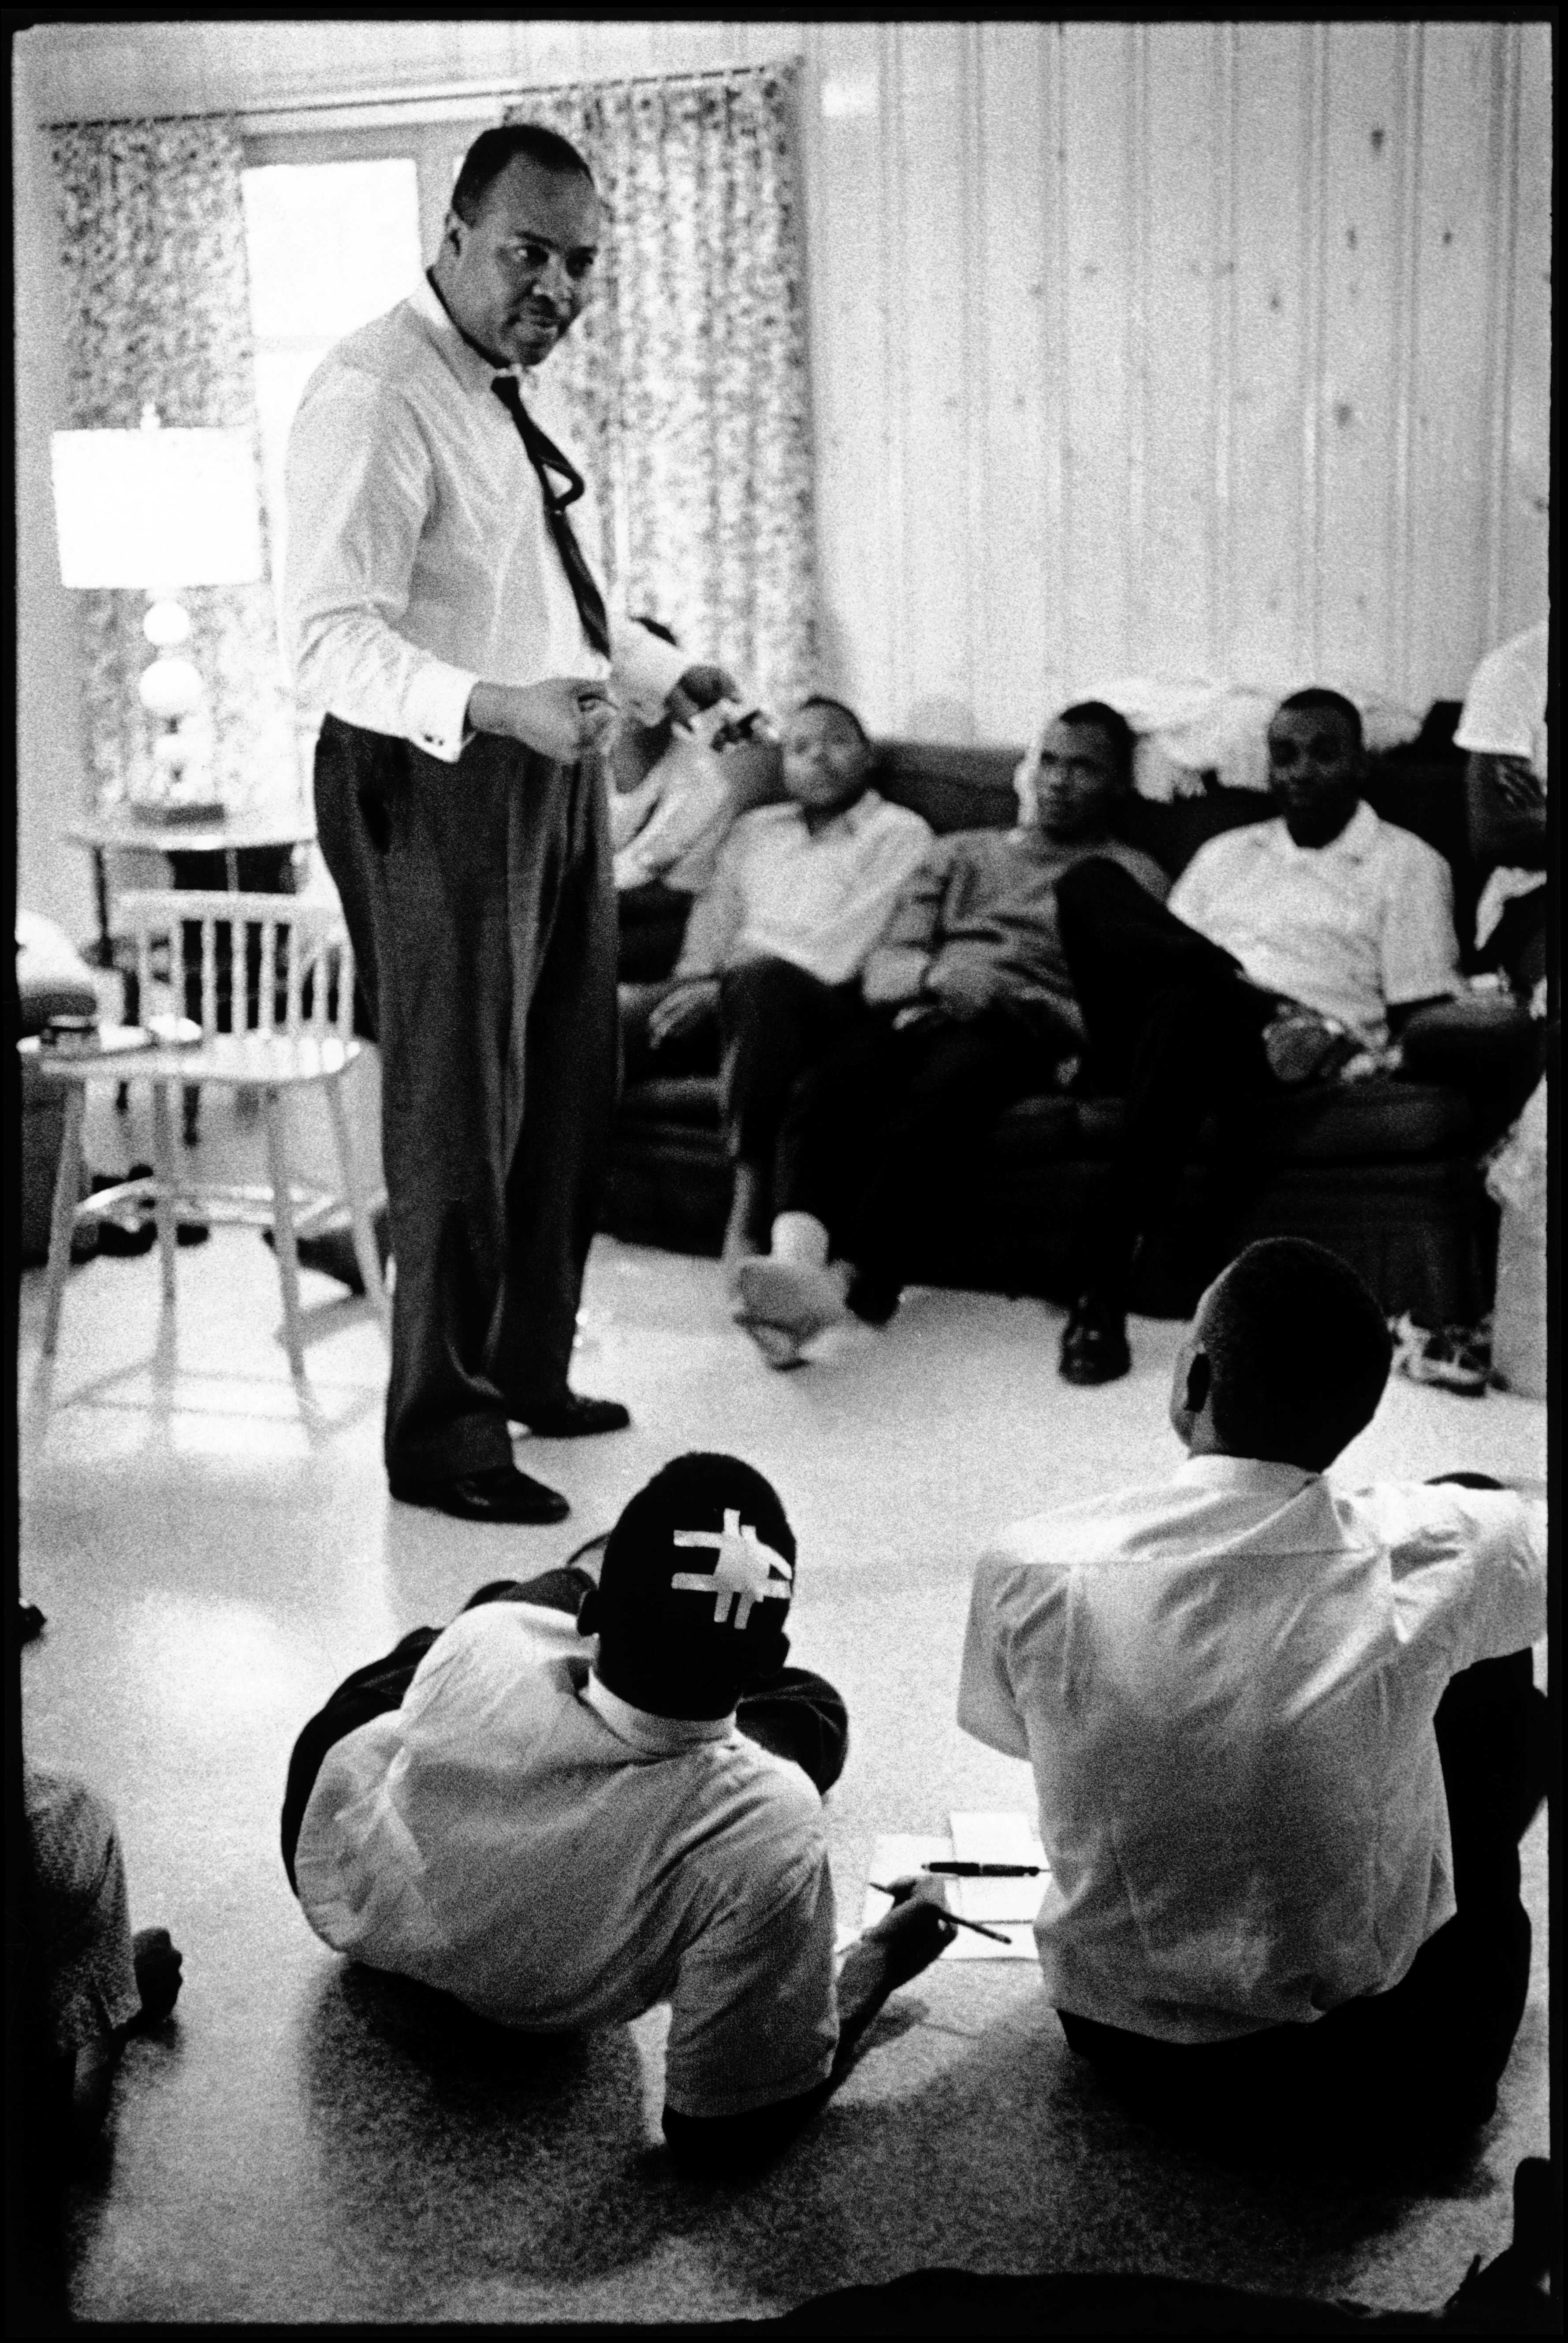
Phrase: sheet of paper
(902, 1852)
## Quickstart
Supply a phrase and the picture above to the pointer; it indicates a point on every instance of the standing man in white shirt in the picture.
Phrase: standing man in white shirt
(441, 612)
(1285, 1739)
(1286, 949)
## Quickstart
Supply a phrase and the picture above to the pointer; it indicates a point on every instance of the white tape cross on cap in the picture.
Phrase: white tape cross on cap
(746, 1571)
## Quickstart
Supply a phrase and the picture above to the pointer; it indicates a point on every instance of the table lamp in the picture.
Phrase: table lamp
(160, 510)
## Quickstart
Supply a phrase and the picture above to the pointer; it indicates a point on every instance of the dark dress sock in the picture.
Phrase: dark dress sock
(480, 903)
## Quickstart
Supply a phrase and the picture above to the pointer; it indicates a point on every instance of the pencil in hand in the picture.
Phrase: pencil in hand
(955, 1919)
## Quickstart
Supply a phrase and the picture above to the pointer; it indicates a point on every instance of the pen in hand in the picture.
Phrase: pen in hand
(957, 1918)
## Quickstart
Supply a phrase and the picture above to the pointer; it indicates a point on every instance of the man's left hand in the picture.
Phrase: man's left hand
(700, 688)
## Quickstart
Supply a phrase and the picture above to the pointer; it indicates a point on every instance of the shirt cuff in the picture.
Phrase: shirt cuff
(435, 711)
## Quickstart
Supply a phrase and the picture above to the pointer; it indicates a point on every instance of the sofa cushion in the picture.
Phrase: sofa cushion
(1361, 1123)
(680, 1101)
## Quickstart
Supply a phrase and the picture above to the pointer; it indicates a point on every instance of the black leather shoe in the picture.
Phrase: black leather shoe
(331, 1251)
(574, 1417)
(498, 1493)
(1094, 1343)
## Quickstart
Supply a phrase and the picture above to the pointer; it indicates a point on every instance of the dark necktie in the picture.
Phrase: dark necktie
(547, 459)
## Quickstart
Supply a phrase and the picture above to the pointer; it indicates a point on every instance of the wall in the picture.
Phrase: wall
(1173, 347)
(1188, 348)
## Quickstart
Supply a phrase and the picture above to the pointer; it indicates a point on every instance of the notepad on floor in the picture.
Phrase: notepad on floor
(1009, 1905)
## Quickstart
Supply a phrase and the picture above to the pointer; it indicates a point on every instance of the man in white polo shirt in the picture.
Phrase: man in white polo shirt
(1287, 948)
(562, 1837)
(1285, 1741)
(1503, 729)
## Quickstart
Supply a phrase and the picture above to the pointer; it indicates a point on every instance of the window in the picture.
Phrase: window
(336, 230)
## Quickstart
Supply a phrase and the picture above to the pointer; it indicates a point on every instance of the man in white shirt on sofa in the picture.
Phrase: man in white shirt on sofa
(1285, 1741)
(562, 1835)
(1287, 950)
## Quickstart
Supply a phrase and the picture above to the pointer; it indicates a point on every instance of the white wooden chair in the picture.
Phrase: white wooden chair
(291, 1015)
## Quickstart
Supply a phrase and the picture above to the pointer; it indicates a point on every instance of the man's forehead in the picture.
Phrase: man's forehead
(1084, 743)
(1310, 723)
(556, 207)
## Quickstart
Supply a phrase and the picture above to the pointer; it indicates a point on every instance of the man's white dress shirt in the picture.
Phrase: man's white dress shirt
(1352, 929)
(519, 1836)
(1226, 1685)
(419, 559)
(818, 898)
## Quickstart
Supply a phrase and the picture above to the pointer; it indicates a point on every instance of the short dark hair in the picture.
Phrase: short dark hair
(491, 151)
(1317, 698)
(657, 627)
(826, 699)
(1115, 727)
(1299, 1351)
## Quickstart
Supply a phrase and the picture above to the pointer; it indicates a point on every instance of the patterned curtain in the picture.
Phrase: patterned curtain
(158, 311)
(685, 374)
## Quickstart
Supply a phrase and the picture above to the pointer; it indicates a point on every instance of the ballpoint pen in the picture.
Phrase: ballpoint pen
(985, 1870)
(957, 1918)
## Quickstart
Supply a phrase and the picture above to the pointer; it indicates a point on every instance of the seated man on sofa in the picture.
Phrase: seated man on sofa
(1286, 1741)
(562, 1836)
(1288, 950)
(775, 945)
(976, 1008)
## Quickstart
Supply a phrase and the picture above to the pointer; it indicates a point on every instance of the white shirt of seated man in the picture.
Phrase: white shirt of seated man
(1225, 1682)
(1328, 905)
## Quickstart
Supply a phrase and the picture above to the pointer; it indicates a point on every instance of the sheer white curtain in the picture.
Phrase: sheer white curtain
(157, 311)
(687, 372)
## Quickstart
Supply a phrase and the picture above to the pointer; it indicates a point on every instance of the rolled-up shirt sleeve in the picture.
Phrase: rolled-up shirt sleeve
(1420, 947)
(359, 486)
(987, 1705)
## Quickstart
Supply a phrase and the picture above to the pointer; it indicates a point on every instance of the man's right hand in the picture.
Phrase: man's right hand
(689, 1003)
(563, 718)
(915, 1931)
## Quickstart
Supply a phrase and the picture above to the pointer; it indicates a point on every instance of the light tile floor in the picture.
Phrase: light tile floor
(214, 1549)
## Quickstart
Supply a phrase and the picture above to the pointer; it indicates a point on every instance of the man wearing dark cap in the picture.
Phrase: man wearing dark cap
(562, 1836)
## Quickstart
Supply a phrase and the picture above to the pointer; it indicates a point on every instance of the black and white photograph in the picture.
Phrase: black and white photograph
(784, 1010)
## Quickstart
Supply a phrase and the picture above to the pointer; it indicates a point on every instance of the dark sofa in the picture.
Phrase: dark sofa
(1387, 1172)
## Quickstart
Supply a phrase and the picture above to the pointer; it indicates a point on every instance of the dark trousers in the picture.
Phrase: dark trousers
(797, 1714)
(891, 1118)
(1173, 1026)
(775, 1021)
(480, 901)
(1421, 2061)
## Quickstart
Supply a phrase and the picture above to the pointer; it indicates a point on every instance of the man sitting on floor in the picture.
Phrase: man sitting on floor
(563, 1839)
(1285, 1738)
(775, 945)
(1288, 950)
(976, 1009)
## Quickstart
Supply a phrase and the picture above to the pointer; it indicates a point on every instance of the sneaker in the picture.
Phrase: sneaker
(1453, 1358)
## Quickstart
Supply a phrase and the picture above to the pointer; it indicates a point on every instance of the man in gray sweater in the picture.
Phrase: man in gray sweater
(978, 1009)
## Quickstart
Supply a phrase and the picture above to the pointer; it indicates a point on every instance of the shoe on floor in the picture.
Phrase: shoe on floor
(497, 1493)
(1094, 1343)
(1453, 1358)
(790, 1295)
(330, 1251)
(574, 1416)
(779, 1346)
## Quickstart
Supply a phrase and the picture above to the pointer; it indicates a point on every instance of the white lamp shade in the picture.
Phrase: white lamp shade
(157, 509)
